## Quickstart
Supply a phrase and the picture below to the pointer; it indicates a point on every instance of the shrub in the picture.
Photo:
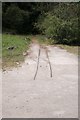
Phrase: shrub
(65, 32)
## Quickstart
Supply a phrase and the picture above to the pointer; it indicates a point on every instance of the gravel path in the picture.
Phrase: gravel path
(54, 91)
(0, 94)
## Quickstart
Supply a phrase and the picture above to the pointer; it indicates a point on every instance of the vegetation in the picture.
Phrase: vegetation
(52, 23)
(57, 21)
(71, 49)
(11, 56)
(61, 24)
(43, 40)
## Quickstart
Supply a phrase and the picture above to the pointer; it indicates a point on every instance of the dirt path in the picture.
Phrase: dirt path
(46, 85)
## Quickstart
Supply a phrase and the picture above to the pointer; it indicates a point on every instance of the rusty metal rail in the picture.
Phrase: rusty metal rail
(49, 62)
(46, 50)
(37, 64)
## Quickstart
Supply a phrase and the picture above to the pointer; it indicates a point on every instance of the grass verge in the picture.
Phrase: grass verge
(43, 40)
(71, 49)
(11, 57)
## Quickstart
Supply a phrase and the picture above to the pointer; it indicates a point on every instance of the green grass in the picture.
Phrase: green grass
(71, 49)
(42, 40)
(10, 57)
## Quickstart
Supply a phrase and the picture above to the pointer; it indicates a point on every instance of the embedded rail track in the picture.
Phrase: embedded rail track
(46, 51)
(37, 63)
(49, 62)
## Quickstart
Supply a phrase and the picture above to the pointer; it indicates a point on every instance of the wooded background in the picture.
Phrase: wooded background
(57, 21)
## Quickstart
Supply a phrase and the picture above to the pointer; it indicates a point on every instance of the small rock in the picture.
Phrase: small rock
(25, 53)
(17, 63)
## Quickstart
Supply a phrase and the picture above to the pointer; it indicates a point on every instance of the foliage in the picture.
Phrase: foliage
(61, 25)
(58, 21)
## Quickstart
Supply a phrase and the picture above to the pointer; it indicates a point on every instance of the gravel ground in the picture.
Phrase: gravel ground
(0, 94)
(47, 96)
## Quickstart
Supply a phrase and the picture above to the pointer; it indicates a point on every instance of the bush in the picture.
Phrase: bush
(68, 32)
(65, 32)
(49, 25)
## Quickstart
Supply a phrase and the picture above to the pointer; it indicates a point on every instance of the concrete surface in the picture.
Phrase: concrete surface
(44, 97)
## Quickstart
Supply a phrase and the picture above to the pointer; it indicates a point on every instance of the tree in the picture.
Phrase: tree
(55, 20)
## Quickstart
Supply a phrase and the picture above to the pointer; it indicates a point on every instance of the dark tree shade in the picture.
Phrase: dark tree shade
(56, 20)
